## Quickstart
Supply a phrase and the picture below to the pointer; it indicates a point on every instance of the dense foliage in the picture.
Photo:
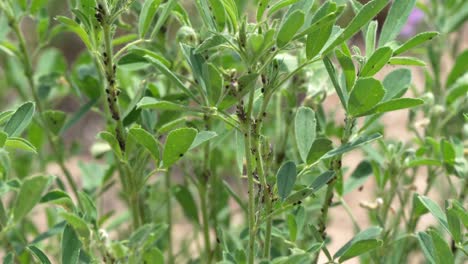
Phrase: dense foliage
(221, 135)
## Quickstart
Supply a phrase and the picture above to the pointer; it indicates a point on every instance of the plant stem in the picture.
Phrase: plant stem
(248, 158)
(28, 70)
(112, 91)
(169, 217)
(206, 228)
(336, 166)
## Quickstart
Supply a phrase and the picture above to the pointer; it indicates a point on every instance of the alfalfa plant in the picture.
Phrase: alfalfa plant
(227, 106)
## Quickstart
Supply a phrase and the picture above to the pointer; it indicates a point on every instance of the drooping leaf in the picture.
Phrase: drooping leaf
(285, 179)
(305, 125)
(177, 144)
(20, 119)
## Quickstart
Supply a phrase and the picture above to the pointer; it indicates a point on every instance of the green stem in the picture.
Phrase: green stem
(206, 228)
(336, 166)
(169, 217)
(28, 70)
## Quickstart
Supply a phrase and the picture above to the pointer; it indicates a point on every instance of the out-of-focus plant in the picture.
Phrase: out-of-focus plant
(215, 109)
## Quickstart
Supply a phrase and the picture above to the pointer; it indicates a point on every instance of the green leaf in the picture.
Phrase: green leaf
(442, 249)
(448, 152)
(29, 195)
(71, 246)
(285, 179)
(455, 21)
(55, 120)
(366, 94)
(185, 198)
(78, 224)
(396, 104)
(77, 29)
(289, 28)
(292, 227)
(322, 180)
(334, 78)
(20, 119)
(460, 68)
(298, 196)
(153, 103)
(453, 223)
(58, 197)
(178, 142)
(427, 246)
(35, 251)
(262, 6)
(112, 141)
(210, 42)
(396, 83)
(458, 90)
(366, 13)
(361, 243)
(415, 41)
(318, 149)
(279, 5)
(406, 61)
(435, 211)
(153, 255)
(396, 19)
(161, 67)
(202, 137)
(371, 36)
(146, 16)
(166, 10)
(145, 139)
(305, 126)
(358, 177)
(351, 145)
(3, 138)
(348, 68)
(315, 42)
(376, 62)
(79, 114)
